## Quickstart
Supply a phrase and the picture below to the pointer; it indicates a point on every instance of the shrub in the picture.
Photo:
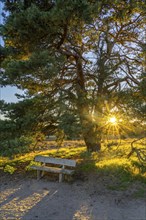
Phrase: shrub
(27, 168)
(9, 169)
(15, 146)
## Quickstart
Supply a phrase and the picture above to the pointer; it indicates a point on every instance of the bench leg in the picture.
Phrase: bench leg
(42, 174)
(60, 177)
(38, 174)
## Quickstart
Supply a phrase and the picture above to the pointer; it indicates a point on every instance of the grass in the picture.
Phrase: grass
(70, 152)
(140, 193)
(111, 162)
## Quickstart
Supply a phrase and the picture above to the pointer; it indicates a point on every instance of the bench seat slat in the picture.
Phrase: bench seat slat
(53, 169)
(57, 161)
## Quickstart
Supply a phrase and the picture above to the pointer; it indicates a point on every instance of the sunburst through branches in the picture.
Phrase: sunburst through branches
(112, 122)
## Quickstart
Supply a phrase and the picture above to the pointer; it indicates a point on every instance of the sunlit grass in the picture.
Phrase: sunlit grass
(111, 162)
(64, 152)
(3, 160)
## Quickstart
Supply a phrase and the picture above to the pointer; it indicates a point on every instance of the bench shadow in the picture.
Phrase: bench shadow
(50, 200)
(57, 205)
(18, 199)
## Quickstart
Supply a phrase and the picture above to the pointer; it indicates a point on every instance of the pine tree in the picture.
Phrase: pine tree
(81, 52)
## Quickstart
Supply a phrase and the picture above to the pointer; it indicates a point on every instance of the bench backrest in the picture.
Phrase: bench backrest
(58, 161)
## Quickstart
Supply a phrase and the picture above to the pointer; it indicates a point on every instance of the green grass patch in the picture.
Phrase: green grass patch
(140, 193)
(21, 161)
(109, 162)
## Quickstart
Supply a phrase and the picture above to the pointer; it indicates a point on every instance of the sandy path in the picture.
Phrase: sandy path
(27, 199)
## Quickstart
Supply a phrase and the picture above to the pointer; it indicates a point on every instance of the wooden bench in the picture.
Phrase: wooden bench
(46, 166)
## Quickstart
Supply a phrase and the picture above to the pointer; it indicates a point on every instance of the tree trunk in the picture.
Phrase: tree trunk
(91, 134)
(93, 142)
(90, 130)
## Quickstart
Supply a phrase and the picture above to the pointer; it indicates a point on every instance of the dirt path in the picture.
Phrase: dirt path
(27, 199)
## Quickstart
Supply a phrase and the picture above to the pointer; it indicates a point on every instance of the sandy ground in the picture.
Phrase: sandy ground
(23, 197)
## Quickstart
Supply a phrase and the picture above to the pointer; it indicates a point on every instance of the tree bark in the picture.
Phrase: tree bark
(90, 130)
(93, 141)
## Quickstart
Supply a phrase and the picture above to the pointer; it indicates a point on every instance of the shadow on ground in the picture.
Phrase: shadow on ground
(28, 199)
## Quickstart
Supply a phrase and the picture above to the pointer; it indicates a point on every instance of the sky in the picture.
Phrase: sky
(7, 93)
